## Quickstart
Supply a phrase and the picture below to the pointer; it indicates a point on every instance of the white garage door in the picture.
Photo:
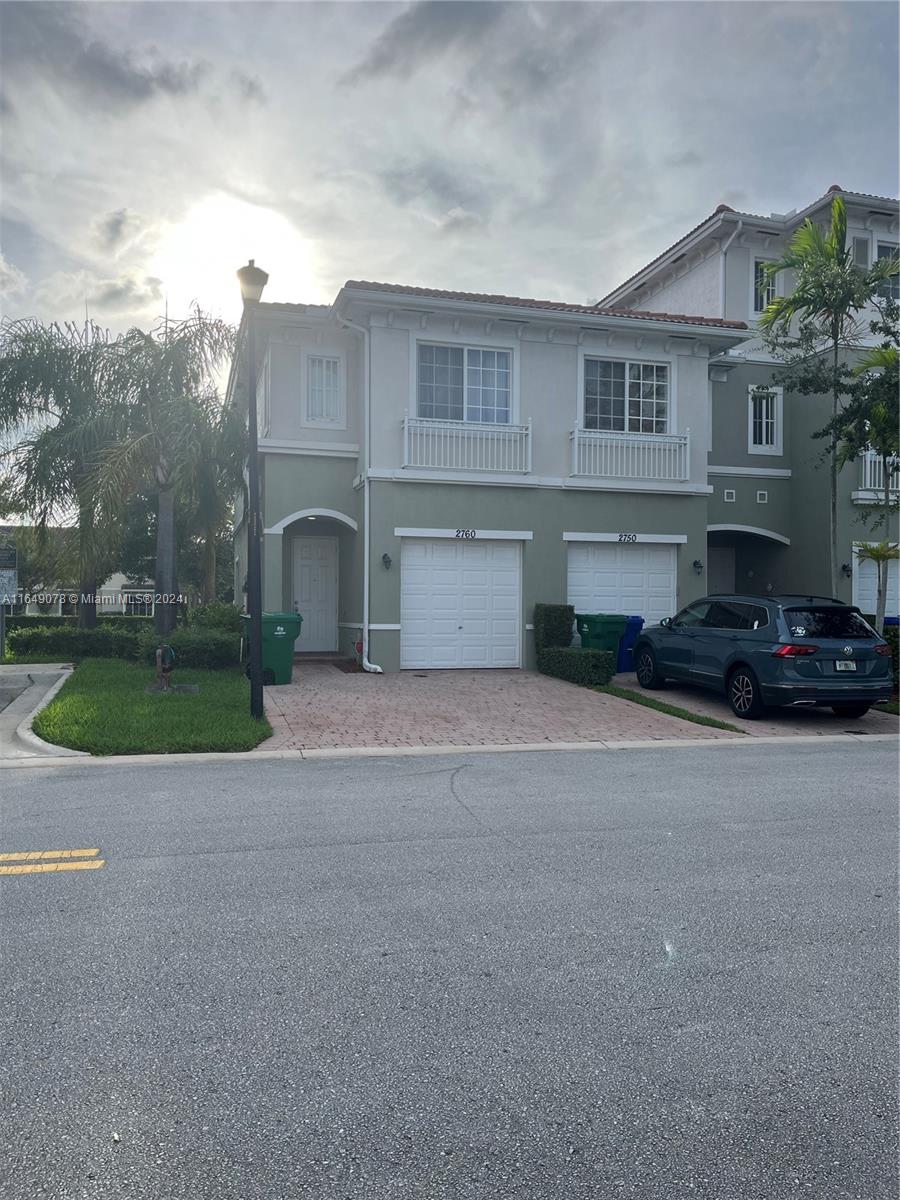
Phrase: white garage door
(637, 579)
(865, 585)
(460, 603)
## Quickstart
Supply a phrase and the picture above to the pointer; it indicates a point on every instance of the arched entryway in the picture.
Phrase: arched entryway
(745, 559)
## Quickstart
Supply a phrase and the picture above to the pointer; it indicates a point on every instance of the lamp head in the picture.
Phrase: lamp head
(252, 280)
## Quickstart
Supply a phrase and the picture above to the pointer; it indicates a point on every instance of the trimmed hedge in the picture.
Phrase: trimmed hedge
(206, 649)
(39, 621)
(589, 668)
(217, 615)
(553, 625)
(892, 637)
(68, 643)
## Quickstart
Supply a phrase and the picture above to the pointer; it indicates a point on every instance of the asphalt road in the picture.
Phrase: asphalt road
(654, 974)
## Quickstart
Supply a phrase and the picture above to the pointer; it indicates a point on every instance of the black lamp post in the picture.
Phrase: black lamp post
(252, 281)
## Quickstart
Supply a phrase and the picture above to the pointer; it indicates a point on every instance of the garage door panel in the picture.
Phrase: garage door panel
(635, 579)
(865, 586)
(460, 604)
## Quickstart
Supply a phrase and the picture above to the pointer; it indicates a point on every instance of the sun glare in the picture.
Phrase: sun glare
(196, 260)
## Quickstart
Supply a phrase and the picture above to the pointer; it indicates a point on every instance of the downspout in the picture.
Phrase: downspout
(367, 426)
(725, 248)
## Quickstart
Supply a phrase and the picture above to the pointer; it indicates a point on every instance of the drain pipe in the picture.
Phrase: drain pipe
(367, 427)
(736, 233)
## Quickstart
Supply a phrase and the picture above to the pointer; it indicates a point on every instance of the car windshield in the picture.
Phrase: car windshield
(827, 623)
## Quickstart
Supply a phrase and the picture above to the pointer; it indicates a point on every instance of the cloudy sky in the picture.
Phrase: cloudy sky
(548, 150)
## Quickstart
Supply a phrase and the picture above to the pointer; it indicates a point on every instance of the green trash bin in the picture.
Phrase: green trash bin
(279, 632)
(601, 631)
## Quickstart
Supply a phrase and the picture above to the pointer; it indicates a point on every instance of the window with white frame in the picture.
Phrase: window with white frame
(764, 420)
(627, 397)
(861, 252)
(889, 288)
(324, 402)
(464, 383)
(763, 286)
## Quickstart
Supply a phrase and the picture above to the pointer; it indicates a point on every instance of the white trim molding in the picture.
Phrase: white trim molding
(760, 472)
(656, 487)
(332, 513)
(372, 625)
(776, 448)
(325, 449)
(766, 533)
(628, 539)
(475, 535)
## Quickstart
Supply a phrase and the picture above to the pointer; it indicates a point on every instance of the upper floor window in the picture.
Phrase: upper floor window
(464, 383)
(890, 288)
(763, 286)
(324, 404)
(764, 420)
(631, 397)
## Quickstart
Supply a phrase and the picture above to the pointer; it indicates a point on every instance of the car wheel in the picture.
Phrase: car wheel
(647, 669)
(851, 711)
(743, 694)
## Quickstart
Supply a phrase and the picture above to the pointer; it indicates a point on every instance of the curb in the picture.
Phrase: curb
(26, 734)
(64, 758)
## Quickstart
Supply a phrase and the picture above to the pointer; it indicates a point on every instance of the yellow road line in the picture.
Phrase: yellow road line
(35, 855)
(40, 868)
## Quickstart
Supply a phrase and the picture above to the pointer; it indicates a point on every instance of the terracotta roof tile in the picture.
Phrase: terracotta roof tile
(544, 305)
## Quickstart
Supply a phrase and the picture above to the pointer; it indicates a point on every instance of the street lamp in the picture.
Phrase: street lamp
(252, 281)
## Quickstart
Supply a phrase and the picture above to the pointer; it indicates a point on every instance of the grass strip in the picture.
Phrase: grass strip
(104, 709)
(671, 710)
(889, 706)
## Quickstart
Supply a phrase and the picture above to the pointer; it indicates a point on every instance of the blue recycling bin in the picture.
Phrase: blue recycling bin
(891, 621)
(633, 627)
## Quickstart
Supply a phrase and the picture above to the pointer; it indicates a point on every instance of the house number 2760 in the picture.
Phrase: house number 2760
(466, 533)
(627, 537)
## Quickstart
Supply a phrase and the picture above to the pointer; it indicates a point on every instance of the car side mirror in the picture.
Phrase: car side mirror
(666, 622)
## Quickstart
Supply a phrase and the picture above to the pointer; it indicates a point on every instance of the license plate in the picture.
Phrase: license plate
(844, 665)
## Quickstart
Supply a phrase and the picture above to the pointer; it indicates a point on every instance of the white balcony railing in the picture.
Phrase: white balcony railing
(605, 455)
(871, 473)
(463, 446)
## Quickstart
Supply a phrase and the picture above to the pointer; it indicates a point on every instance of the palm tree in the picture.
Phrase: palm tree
(218, 478)
(168, 403)
(56, 387)
(829, 291)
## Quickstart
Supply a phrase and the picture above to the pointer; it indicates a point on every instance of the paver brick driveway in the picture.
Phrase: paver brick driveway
(324, 707)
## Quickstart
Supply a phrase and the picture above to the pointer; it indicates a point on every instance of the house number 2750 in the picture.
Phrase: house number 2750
(627, 537)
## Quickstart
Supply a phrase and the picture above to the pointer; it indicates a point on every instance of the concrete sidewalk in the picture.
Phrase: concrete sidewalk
(24, 691)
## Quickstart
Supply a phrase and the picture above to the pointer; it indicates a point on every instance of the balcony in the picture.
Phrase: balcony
(605, 455)
(871, 474)
(463, 446)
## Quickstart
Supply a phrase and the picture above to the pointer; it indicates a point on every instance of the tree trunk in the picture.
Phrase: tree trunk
(166, 607)
(208, 591)
(881, 567)
(833, 471)
(87, 575)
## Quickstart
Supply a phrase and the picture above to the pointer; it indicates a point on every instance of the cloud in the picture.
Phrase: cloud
(460, 220)
(438, 184)
(128, 293)
(427, 30)
(119, 229)
(249, 87)
(53, 40)
(131, 294)
(12, 281)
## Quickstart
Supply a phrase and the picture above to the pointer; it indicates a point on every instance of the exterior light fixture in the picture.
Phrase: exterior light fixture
(698, 566)
(252, 281)
(386, 559)
(846, 570)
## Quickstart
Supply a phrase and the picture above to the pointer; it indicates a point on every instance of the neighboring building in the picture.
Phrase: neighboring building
(433, 463)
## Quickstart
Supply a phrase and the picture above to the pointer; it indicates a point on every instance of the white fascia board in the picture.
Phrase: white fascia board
(550, 316)
(325, 449)
(660, 538)
(761, 472)
(586, 484)
(481, 535)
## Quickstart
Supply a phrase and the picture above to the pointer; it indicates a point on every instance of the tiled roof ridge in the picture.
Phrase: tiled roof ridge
(543, 305)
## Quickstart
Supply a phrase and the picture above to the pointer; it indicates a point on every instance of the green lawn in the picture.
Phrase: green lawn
(889, 706)
(104, 709)
(673, 710)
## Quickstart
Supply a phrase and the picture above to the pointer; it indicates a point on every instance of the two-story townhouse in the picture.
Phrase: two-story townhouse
(434, 463)
(768, 509)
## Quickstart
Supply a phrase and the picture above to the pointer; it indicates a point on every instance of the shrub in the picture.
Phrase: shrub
(590, 668)
(215, 616)
(36, 620)
(892, 637)
(553, 625)
(68, 643)
(207, 649)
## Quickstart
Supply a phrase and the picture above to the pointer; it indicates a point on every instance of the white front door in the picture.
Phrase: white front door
(316, 592)
(720, 570)
(460, 603)
(634, 579)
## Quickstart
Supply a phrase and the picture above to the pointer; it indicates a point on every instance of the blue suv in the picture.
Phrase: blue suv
(770, 652)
